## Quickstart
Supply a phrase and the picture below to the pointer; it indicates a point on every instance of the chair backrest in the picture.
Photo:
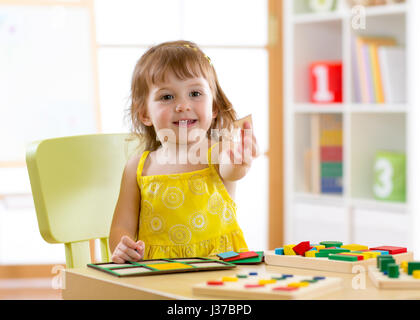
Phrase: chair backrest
(75, 184)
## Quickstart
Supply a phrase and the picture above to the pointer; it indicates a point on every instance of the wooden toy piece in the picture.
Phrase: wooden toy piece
(279, 251)
(226, 255)
(229, 279)
(355, 247)
(394, 278)
(240, 123)
(270, 286)
(413, 266)
(242, 255)
(161, 266)
(288, 250)
(325, 264)
(391, 249)
(341, 257)
(251, 260)
(302, 247)
(310, 253)
(329, 244)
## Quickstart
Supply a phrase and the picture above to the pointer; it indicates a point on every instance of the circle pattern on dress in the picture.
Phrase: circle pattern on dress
(216, 204)
(146, 209)
(198, 221)
(173, 198)
(180, 234)
(197, 184)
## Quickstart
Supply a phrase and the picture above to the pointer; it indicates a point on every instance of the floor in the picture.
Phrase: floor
(29, 289)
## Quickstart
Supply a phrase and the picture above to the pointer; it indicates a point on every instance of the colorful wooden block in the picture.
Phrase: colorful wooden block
(298, 284)
(279, 251)
(288, 250)
(413, 266)
(302, 247)
(215, 283)
(333, 250)
(310, 253)
(229, 279)
(359, 256)
(168, 266)
(416, 274)
(267, 281)
(393, 271)
(242, 255)
(355, 247)
(329, 244)
(391, 249)
(342, 257)
(229, 254)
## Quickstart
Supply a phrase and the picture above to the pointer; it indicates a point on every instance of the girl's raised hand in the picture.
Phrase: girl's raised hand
(246, 150)
(128, 250)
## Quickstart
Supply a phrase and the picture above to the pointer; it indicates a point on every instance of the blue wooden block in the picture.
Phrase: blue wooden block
(383, 253)
(253, 273)
(229, 254)
(279, 251)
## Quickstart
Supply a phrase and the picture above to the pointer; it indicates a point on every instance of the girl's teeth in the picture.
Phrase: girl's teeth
(183, 123)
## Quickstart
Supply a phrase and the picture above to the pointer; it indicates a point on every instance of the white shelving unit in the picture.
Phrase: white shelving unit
(355, 216)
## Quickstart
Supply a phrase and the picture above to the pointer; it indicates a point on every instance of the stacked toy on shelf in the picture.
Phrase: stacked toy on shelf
(333, 256)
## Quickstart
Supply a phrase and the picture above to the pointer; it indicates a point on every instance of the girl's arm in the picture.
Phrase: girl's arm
(125, 221)
(236, 160)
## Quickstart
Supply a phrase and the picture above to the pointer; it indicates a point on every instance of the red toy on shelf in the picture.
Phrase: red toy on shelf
(326, 82)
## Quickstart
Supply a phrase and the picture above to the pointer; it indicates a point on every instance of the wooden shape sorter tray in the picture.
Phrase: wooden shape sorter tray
(381, 281)
(268, 286)
(161, 266)
(324, 264)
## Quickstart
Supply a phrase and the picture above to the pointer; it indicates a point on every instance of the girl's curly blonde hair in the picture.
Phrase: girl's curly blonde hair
(185, 60)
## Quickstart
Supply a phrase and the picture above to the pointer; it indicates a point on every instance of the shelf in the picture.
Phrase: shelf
(356, 203)
(376, 205)
(373, 11)
(352, 108)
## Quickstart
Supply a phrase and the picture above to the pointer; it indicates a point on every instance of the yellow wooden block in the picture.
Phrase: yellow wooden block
(169, 266)
(321, 246)
(404, 266)
(288, 250)
(267, 281)
(298, 284)
(416, 274)
(310, 254)
(355, 247)
(373, 254)
(229, 279)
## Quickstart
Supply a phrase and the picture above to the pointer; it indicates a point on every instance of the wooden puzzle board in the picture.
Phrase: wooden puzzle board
(324, 264)
(271, 291)
(161, 266)
(381, 281)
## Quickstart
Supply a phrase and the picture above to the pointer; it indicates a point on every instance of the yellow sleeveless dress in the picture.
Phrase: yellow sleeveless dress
(187, 214)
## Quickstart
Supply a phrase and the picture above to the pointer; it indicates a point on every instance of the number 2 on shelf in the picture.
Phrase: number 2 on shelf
(322, 93)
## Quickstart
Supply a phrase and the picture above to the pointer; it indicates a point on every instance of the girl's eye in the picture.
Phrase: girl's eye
(195, 94)
(167, 97)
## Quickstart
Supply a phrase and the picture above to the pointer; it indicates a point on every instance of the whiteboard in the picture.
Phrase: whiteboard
(47, 86)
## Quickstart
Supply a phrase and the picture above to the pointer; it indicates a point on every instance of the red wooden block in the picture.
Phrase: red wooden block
(326, 82)
(302, 247)
(285, 288)
(249, 286)
(215, 283)
(243, 255)
(391, 249)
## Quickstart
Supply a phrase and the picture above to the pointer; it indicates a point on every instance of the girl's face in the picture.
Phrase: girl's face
(176, 107)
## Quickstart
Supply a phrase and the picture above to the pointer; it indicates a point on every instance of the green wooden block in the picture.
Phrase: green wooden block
(390, 176)
(342, 257)
(329, 244)
(379, 258)
(412, 266)
(331, 169)
(393, 270)
(334, 250)
(322, 254)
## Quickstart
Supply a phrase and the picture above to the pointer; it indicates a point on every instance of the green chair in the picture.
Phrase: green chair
(75, 184)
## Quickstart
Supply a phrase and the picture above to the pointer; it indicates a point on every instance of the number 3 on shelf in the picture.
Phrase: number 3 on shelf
(384, 173)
